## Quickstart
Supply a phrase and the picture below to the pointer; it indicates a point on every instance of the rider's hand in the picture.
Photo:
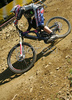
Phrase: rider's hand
(15, 22)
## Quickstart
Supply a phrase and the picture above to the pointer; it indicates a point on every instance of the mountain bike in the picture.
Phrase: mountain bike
(23, 56)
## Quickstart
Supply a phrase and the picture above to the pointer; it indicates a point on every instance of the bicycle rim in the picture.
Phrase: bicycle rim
(65, 26)
(19, 64)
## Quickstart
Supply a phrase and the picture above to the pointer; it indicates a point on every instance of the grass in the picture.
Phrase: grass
(71, 71)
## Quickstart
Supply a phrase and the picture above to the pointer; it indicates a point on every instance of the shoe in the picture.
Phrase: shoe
(49, 36)
(53, 35)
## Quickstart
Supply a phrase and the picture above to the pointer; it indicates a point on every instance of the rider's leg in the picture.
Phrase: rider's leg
(29, 23)
(41, 22)
(49, 31)
(46, 29)
(34, 23)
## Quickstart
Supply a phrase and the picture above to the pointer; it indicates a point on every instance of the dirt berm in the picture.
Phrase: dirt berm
(48, 78)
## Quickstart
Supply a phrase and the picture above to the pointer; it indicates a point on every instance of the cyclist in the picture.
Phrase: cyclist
(34, 15)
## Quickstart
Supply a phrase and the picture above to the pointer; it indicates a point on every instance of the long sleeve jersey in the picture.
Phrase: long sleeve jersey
(28, 10)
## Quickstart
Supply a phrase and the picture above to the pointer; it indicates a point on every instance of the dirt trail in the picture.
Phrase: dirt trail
(48, 79)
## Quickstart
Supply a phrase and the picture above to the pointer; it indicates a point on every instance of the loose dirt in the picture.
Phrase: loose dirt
(48, 78)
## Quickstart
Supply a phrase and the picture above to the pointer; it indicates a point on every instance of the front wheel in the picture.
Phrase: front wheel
(20, 64)
(64, 26)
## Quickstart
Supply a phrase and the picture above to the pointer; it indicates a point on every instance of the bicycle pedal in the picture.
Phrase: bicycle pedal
(54, 36)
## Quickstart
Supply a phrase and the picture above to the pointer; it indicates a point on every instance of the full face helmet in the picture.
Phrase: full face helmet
(15, 9)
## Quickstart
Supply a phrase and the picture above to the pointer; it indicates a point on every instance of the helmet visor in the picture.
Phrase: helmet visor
(13, 9)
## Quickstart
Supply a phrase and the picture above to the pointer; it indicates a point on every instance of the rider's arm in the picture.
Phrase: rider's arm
(28, 7)
(18, 16)
(29, 23)
(31, 6)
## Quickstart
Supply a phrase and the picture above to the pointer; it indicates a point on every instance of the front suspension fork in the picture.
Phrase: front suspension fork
(21, 40)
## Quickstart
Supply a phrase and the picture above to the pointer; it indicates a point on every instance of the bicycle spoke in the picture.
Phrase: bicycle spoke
(63, 23)
(18, 63)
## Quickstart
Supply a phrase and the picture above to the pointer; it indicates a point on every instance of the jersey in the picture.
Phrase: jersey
(30, 10)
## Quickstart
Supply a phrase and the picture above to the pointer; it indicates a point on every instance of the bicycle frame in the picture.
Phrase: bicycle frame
(26, 35)
(23, 55)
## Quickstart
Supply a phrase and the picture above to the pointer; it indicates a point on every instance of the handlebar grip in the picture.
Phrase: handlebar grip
(20, 31)
(17, 27)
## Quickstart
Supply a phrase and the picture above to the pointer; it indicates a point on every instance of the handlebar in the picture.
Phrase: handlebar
(17, 28)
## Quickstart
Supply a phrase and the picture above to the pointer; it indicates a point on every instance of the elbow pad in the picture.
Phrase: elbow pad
(20, 13)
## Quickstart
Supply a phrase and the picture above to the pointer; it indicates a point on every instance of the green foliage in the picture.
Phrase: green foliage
(57, 99)
(71, 71)
(69, 60)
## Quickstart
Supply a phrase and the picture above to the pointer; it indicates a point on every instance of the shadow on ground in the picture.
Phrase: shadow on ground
(7, 75)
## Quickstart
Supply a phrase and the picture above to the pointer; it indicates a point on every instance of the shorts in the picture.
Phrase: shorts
(40, 18)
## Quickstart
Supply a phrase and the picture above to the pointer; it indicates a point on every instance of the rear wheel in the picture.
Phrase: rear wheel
(20, 64)
(64, 26)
